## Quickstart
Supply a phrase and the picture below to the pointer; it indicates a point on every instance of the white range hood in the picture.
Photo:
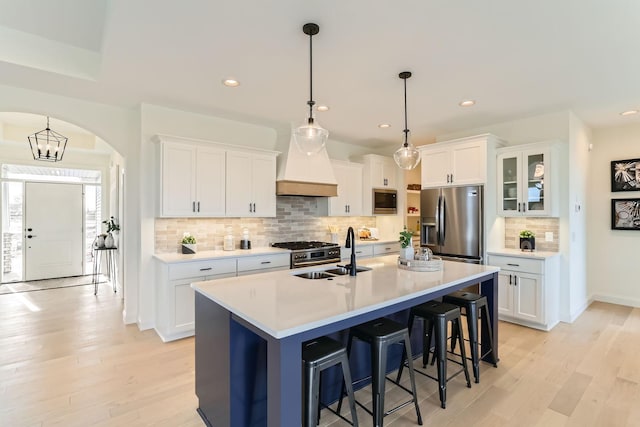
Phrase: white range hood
(302, 175)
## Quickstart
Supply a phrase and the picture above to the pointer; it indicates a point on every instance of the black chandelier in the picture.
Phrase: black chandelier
(47, 145)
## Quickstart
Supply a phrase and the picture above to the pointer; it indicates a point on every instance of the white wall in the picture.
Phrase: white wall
(579, 165)
(612, 255)
(543, 127)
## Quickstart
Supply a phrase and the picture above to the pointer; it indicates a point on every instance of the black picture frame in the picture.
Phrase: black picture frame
(625, 214)
(625, 175)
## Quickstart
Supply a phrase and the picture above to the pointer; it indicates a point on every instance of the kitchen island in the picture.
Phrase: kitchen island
(249, 330)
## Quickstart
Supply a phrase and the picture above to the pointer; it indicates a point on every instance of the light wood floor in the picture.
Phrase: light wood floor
(67, 360)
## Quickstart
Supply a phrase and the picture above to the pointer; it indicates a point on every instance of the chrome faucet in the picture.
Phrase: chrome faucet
(351, 243)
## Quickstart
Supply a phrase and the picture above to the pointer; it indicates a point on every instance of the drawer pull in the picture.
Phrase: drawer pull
(206, 269)
(265, 262)
(358, 252)
(514, 265)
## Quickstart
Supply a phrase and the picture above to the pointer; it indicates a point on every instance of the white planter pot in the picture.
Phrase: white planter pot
(188, 248)
(407, 253)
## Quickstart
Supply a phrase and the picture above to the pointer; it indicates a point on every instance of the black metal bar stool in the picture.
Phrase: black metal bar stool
(380, 334)
(475, 306)
(437, 315)
(318, 355)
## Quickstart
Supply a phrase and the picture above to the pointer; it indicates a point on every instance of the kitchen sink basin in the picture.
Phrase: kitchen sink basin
(315, 275)
(341, 271)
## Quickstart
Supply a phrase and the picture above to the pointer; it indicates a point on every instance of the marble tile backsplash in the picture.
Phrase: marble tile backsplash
(513, 226)
(297, 218)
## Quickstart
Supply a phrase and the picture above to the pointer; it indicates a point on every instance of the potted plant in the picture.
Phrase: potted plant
(406, 244)
(188, 243)
(527, 240)
(112, 227)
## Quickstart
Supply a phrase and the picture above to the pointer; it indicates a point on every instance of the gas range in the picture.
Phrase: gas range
(305, 254)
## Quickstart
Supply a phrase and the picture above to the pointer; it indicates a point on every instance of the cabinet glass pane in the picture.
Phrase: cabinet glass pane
(510, 183)
(535, 182)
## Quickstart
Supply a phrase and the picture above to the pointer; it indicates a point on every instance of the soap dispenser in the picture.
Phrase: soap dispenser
(245, 243)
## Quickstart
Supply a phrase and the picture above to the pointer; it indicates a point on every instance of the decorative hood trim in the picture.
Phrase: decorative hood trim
(302, 175)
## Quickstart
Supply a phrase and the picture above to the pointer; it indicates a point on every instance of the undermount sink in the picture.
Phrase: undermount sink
(314, 275)
(341, 271)
(328, 274)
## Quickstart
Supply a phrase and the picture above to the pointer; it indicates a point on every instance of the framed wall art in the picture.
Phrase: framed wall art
(625, 214)
(624, 176)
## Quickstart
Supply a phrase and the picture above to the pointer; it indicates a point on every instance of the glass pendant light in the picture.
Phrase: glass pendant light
(310, 137)
(406, 157)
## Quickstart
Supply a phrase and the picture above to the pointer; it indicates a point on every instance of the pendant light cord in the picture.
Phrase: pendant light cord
(311, 101)
(406, 131)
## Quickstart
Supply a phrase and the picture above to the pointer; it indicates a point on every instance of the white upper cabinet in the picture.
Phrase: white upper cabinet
(192, 180)
(349, 200)
(382, 171)
(460, 162)
(378, 172)
(525, 181)
(250, 184)
(209, 179)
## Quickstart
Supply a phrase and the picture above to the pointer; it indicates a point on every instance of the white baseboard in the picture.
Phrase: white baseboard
(615, 299)
(143, 326)
(575, 314)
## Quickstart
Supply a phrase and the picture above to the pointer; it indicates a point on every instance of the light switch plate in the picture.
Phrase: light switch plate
(548, 236)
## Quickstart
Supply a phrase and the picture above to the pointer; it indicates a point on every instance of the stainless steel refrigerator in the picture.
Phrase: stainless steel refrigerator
(452, 222)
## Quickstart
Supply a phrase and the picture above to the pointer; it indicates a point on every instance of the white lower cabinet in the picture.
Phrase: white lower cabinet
(361, 251)
(528, 290)
(263, 263)
(175, 299)
(380, 249)
(371, 249)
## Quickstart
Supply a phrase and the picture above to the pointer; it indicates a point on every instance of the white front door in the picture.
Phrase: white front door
(53, 230)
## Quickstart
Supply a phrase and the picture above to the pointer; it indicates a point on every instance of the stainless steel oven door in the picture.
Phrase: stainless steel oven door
(301, 264)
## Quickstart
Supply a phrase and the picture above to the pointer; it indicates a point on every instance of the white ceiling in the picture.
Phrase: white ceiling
(515, 58)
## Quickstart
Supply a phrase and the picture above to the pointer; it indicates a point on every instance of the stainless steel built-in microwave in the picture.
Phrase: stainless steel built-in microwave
(385, 201)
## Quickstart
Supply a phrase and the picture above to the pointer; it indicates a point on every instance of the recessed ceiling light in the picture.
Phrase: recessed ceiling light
(384, 125)
(467, 103)
(323, 108)
(629, 113)
(231, 82)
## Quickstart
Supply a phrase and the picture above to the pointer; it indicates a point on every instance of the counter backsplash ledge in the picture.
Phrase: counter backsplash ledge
(297, 218)
(540, 226)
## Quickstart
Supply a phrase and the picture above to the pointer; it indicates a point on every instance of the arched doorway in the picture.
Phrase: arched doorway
(88, 162)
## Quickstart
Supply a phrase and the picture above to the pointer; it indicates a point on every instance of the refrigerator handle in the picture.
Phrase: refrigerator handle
(443, 225)
(438, 221)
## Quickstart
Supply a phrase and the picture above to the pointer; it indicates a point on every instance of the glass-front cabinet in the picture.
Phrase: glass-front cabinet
(523, 182)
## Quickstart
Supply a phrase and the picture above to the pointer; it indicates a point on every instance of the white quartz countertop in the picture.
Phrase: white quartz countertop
(205, 255)
(282, 304)
(524, 254)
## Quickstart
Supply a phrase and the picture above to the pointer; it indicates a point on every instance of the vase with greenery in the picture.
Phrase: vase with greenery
(112, 228)
(527, 240)
(406, 244)
(188, 243)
